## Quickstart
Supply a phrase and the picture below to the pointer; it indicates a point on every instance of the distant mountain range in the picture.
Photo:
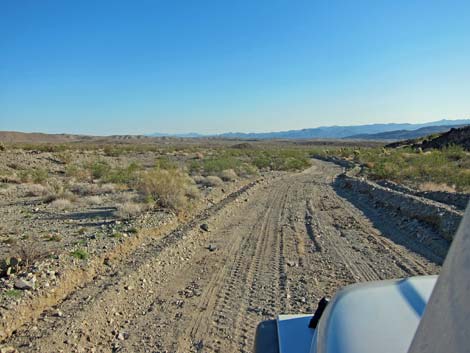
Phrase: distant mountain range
(405, 134)
(339, 132)
(359, 132)
(188, 135)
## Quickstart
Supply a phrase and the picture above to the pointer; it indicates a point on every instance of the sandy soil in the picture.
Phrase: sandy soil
(278, 247)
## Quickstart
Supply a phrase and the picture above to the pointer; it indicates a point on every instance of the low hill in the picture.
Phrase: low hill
(36, 137)
(338, 132)
(453, 137)
(404, 134)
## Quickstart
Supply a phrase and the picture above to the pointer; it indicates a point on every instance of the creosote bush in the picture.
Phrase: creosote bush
(449, 167)
(228, 175)
(168, 187)
(211, 181)
(128, 210)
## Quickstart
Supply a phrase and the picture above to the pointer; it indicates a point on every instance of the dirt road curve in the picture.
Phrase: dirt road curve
(279, 248)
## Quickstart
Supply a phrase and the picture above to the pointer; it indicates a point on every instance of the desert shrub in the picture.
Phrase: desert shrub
(35, 190)
(228, 175)
(2, 147)
(5, 189)
(78, 172)
(126, 175)
(192, 192)
(107, 188)
(126, 197)
(58, 190)
(61, 204)
(214, 165)
(37, 176)
(99, 169)
(430, 186)
(113, 150)
(84, 189)
(65, 157)
(169, 188)
(449, 167)
(211, 181)
(165, 163)
(13, 293)
(246, 170)
(198, 179)
(94, 200)
(128, 210)
(28, 253)
(79, 254)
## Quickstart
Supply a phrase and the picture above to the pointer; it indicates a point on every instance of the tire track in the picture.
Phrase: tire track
(279, 250)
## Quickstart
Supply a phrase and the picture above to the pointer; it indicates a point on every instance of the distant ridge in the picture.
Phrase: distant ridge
(340, 132)
(392, 131)
(453, 137)
(188, 135)
(404, 134)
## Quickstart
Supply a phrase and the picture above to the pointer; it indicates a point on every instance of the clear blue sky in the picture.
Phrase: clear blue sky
(108, 67)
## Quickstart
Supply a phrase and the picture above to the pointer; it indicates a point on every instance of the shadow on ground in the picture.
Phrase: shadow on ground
(410, 233)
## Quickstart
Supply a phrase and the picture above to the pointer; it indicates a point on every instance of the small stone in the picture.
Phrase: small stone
(212, 247)
(291, 263)
(205, 227)
(122, 336)
(23, 284)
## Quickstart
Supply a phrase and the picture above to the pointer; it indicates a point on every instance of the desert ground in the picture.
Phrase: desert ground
(100, 263)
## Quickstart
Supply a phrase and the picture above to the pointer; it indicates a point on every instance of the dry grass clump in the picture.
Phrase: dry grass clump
(212, 181)
(430, 186)
(61, 204)
(5, 190)
(57, 190)
(128, 210)
(37, 176)
(198, 179)
(90, 189)
(28, 253)
(228, 175)
(169, 188)
(107, 189)
(94, 200)
(35, 190)
(84, 189)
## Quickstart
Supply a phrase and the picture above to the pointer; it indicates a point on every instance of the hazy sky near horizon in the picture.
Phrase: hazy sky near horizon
(131, 67)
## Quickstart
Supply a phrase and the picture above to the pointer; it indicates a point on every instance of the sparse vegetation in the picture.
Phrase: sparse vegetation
(37, 176)
(13, 293)
(448, 167)
(61, 204)
(228, 175)
(211, 181)
(79, 254)
(168, 187)
(28, 253)
(35, 190)
(128, 210)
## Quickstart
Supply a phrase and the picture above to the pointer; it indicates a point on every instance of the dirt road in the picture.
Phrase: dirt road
(277, 248)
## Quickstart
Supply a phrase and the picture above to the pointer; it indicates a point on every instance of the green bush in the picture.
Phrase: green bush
(99, 169)
(449, 166)
(37, 176)
(170, 188)
(79, 254)
(125, 175)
